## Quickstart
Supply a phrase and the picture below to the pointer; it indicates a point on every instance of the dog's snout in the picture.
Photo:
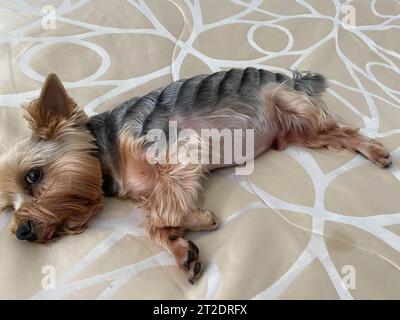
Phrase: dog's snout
(25, 231)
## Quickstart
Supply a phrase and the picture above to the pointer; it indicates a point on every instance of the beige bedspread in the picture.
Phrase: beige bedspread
(305, 224)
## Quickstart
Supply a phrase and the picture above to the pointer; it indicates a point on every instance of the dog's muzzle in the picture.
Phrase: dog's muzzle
(25, 231)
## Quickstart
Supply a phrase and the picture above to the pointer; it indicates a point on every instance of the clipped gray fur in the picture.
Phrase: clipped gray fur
(234, 92)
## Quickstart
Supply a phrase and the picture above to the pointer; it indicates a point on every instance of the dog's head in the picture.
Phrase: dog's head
(52, 180)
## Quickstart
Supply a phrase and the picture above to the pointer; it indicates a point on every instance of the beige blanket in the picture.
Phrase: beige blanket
(305, 224)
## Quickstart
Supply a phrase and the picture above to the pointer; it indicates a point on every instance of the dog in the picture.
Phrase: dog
(55, 180)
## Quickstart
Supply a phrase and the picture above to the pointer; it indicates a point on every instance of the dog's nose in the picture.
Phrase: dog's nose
(25, 231)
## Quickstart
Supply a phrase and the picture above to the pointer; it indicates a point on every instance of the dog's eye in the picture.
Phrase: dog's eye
(33, 176)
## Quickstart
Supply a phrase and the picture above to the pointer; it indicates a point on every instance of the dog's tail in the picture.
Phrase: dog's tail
(314, 84)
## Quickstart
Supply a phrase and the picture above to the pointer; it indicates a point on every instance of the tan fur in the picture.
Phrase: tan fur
(63, 115)
(185, 252)
(70, 192)
(303, 120)
(200, 220)
(167, 191)
(136, 176)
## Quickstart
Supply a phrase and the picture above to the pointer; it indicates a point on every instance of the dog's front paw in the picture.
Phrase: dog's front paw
(187, 257)
(211, 221)
(201, 220)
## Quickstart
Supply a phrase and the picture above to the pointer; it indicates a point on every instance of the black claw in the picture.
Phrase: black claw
(197, 268)
(191, 281)
(387, 165)
(193, 247)
(191, 255)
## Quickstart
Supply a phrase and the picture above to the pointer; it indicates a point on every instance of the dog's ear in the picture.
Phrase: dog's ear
(54, 98)
(52, 110)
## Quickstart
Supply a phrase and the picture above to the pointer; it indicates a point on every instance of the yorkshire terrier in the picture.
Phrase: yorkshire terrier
(54, 181)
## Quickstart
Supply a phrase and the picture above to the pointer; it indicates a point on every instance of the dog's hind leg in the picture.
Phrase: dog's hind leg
(304, 120)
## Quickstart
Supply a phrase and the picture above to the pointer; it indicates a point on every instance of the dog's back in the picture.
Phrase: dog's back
(201, 99)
